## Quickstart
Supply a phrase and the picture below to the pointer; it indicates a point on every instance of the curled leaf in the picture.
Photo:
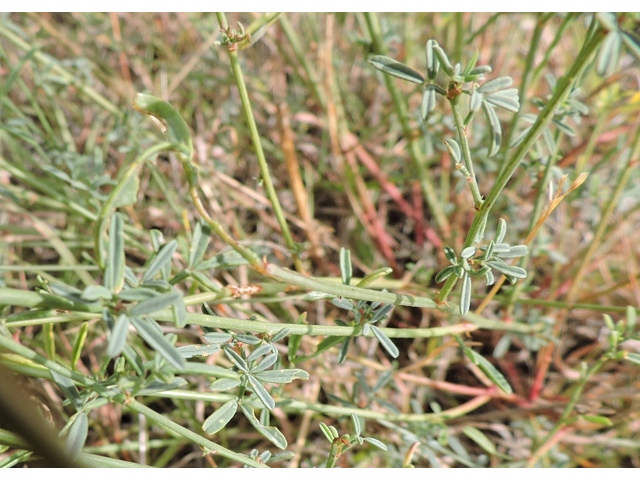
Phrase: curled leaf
(494, 127)
(444, 274)
(428, 102)
(176, 129)
(465, 295)
(396, 69)
(272, 434)
(454, 150)
(432, 61)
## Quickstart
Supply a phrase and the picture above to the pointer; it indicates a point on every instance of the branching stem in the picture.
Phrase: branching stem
(563, 88)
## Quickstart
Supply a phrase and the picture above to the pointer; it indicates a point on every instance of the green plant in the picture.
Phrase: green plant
(340, 444)
(144, 274)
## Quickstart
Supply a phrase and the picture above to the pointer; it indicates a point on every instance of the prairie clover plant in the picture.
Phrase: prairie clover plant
(488, 96)
(127, 300)
(129, 304)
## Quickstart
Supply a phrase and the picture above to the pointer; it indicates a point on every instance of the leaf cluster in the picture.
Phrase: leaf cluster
(482, 262)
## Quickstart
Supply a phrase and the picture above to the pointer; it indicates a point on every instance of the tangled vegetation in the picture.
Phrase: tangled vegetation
(318, 240)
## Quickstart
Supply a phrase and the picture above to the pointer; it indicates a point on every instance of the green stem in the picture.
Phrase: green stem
(130, 403)
(338, 410)
(26, 352)
(333, 455)
(593, 141)
(479, 31)
(257, 144)
(460, 31)
(16, 297)
(526, 74)
(132, 446)
(47, 268)
(347, 291)
(568, 409)
(51, 317)
(563, 87)
(171, 426)
(549, 50)
(546, 176)
(97, 461)
(426, 181)
(466, 152)
(248, 254)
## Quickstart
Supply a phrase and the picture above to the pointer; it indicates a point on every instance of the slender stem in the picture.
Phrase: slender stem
(545, 353)
(333, 455)
(9, 296)
(171, 426)
(488, 23)
(97, 461)
(47, 268)
(563, 87)
(549, 51)
(316, 330)
(347, 291)
(257, 144)
(130, 403)
(567, 411)
(526, 74)
(86, 459)
(26, 352)
(426, 181)
(460, 32)
(593, 141)
(466, 152)
(339, 410)
(52, 317)
(248, 254)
